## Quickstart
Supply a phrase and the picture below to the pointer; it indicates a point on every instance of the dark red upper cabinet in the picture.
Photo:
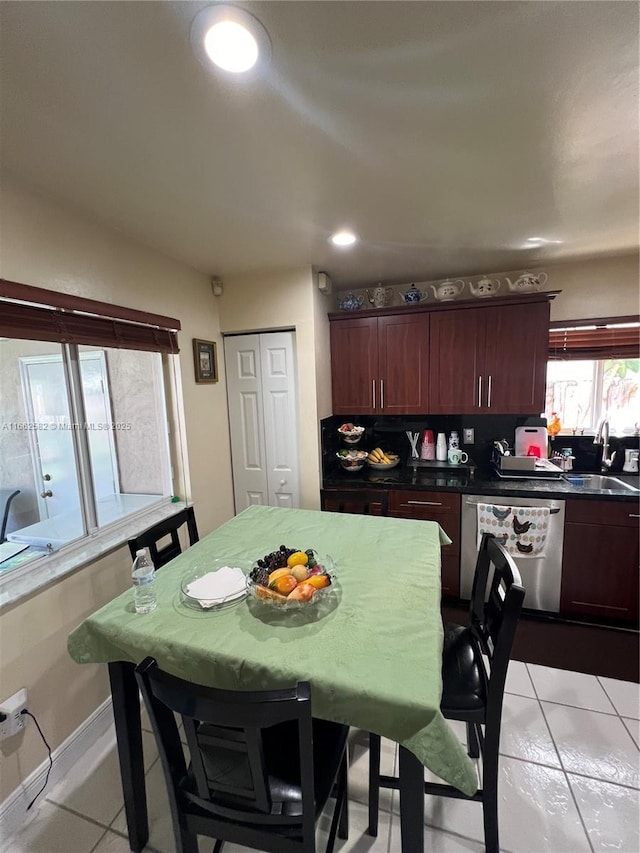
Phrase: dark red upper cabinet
(380, 365)
(489, 360)
(471, 356)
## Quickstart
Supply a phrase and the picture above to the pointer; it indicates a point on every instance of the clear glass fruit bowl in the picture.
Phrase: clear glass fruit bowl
(276, 594)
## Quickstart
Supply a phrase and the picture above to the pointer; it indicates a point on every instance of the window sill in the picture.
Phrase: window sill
(33, 575)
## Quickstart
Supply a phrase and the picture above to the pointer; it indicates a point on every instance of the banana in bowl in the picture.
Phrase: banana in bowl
(380, 460)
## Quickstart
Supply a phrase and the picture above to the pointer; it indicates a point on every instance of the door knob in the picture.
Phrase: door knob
(46, 477)
(283, 482)
(47, 494)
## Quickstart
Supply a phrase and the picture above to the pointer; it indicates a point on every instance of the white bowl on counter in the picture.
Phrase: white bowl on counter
(352, 460)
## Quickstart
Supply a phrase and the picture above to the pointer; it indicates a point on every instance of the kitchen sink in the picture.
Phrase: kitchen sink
(598, 481)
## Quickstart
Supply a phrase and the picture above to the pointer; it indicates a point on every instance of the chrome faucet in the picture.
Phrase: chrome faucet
(602, 437)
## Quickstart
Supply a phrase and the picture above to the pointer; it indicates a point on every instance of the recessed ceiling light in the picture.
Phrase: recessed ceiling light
(541, 240)
(230, 38)
(343, 238)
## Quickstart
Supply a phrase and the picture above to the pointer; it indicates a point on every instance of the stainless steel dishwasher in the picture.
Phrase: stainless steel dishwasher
(542, 574)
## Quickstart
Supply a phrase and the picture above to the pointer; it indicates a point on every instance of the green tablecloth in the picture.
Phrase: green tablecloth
(372, 651)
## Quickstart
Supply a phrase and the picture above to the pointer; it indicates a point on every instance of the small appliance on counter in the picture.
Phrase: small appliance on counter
(631, 461)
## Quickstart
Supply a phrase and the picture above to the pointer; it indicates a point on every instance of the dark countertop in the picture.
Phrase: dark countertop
(472, 482)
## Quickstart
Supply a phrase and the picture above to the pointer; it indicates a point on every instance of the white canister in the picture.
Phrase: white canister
(441, 447)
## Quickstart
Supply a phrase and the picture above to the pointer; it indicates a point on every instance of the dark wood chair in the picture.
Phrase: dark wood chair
(261, 770)
(169, 527)
(6, 496)
(472, 686)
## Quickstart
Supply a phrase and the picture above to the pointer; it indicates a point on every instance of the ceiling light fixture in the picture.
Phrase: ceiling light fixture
(343, 238)
(542, 240)
(230, 38)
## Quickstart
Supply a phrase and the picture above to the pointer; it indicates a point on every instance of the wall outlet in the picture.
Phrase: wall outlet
(15, 719)
(468, 436)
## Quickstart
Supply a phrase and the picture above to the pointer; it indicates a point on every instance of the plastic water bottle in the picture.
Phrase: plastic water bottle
(143, 576)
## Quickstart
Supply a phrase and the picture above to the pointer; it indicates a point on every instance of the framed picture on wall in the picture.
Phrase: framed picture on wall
(205, 360)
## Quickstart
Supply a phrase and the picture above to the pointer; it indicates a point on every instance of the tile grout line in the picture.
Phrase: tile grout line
(85, 817)
(99, 841)
(566, 776)
(618, 714)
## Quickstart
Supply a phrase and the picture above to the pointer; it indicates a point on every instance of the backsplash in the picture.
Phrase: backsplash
(390, 434)
(588, 455)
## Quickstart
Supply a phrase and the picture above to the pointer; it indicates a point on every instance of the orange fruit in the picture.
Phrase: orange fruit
(318, 581)
(284, 584)
(298, 558)
(278, 573)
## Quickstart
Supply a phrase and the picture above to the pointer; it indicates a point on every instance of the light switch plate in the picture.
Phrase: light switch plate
(468, 436)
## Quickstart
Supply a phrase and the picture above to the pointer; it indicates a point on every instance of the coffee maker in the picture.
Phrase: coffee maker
(631, 461)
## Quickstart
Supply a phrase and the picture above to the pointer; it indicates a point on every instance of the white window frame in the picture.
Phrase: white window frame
(597, 406)
(30, 576)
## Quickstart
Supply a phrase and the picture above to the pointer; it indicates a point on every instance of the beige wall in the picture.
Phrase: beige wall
(321, 307)
(604, 287)
(45, 245)
(287, 299)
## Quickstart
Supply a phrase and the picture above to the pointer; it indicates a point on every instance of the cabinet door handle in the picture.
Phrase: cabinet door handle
(382, 393)
(634, 515)
(489, 383)
(479, 392)
(373, 392)
(425, 503)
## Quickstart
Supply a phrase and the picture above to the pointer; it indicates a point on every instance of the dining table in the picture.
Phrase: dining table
(370, 645)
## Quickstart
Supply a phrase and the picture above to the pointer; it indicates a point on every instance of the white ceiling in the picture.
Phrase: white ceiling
(443, 133)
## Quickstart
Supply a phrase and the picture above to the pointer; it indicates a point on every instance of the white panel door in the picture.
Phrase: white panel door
(244, 394)
(261, 390)
(280, 418)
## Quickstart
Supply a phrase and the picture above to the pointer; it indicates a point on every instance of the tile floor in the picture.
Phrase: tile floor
(570, 783)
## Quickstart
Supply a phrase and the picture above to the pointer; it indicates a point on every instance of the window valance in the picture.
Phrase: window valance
(35, 313)
(600, 338)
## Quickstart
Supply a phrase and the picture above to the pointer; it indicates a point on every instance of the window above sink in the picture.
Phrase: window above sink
(594, 371)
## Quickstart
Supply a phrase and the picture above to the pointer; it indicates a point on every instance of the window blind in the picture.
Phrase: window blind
(602, 338)
(34, 313)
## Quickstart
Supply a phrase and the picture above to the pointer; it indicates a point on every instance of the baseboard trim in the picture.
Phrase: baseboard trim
(13, 811)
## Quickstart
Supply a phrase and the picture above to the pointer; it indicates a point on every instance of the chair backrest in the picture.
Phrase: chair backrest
(224, 731)
(6, 496)
(496, 603)
(169, 527)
